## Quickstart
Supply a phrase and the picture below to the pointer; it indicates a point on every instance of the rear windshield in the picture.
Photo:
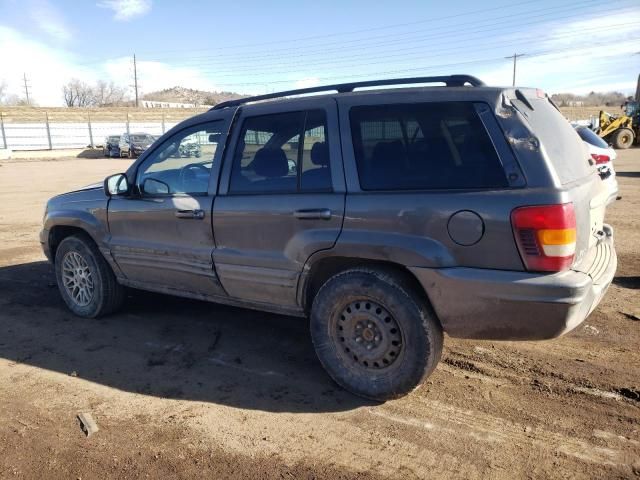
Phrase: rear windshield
(567, 153)
(590, 137)
(438, 145)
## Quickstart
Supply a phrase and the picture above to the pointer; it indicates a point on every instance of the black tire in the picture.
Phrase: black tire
(622, 138)
(130, 154)
(401, 349)
(107, 294)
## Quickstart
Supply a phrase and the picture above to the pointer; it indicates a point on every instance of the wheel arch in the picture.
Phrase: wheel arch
(326, 266)
(57, 233)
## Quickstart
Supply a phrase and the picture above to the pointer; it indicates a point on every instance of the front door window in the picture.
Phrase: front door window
(182, 164)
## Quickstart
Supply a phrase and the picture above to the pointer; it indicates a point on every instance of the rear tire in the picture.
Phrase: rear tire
(376, 338)
(86, 282)
(622, 138)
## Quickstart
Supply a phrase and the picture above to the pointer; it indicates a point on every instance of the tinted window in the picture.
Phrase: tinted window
(591, 138)
(567, 153)
(423, 146)
(282, 153)
(182, 164)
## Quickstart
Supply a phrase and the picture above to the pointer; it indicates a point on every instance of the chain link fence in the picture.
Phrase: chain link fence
(41, 131)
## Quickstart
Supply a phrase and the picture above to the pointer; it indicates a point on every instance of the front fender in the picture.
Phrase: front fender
(77, 219)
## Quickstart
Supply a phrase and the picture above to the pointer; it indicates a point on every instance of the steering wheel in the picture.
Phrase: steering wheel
(189, 174)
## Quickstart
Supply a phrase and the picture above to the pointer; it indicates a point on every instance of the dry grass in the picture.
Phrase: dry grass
(63, 114)
(116, 114)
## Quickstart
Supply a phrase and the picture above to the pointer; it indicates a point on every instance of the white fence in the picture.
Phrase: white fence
(52, 135)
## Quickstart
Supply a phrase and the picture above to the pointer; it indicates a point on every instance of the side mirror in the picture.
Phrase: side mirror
(152, 186)
(116, 185)
(214, 138)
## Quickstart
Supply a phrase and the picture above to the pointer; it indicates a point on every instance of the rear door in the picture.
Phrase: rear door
(281, 198)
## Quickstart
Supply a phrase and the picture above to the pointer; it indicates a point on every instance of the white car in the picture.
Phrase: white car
(603, 156)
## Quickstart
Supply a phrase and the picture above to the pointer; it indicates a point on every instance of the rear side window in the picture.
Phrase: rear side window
(568, 154)
(591, 138)
(424, 146)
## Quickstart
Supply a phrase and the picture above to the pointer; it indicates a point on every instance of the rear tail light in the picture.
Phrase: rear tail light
(600, 159)
(546, 236)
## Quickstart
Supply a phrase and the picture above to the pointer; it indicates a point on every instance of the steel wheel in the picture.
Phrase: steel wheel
(77, 278)
(369, 335)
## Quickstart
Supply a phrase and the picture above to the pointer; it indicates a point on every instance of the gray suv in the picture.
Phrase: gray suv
(385, 216)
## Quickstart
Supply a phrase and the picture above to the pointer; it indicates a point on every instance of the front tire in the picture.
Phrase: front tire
(85, 280)
(375, 337)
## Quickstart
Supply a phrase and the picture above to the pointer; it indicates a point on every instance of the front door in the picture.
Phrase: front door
(281, 198)
(161, 236)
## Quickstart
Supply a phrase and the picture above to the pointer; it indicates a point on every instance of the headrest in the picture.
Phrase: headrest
(320, 154)
(271, 163)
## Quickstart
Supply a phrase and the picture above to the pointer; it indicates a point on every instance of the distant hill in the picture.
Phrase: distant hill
(189, 95)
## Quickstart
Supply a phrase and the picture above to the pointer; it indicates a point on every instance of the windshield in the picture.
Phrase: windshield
(141, 138)
(591, 138)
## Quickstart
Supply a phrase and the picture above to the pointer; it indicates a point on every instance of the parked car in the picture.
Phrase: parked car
(134, 144)
(603, 155)
(411, 212)
(110, 147)
(190, 149)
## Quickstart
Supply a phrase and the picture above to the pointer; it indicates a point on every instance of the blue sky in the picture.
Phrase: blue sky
(257, 46)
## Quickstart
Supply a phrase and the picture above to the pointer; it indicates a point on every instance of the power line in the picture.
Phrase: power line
(379, 58)
(379, 74)
(515, 56)
(353, 32)
(509, 21)
(461, 28)
(434, 41)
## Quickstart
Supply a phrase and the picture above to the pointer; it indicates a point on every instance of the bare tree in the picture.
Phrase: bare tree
(77, 94)
(80, 94)
(108, 94)
(10, 99)
(592, 99)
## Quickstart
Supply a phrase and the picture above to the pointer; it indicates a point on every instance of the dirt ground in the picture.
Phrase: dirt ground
(187, 389)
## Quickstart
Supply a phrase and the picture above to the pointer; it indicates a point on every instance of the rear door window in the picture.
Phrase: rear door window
(282, 153)
(567, 153)
(440, 145)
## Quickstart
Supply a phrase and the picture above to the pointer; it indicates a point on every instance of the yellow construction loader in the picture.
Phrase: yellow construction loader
(622, 131)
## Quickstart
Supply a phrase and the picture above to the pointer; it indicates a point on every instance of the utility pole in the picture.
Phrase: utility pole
(515, 57)
(26, 88)
(135, 78)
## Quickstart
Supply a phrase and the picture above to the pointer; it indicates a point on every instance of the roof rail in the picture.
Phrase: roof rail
(448, 80)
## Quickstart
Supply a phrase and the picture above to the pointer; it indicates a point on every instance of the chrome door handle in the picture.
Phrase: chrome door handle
(313, 214)
(195, 214)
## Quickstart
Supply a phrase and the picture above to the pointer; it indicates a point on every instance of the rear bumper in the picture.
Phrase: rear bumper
(503, 305)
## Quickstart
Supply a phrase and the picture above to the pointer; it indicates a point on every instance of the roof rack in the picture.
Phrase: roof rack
(448, 80)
